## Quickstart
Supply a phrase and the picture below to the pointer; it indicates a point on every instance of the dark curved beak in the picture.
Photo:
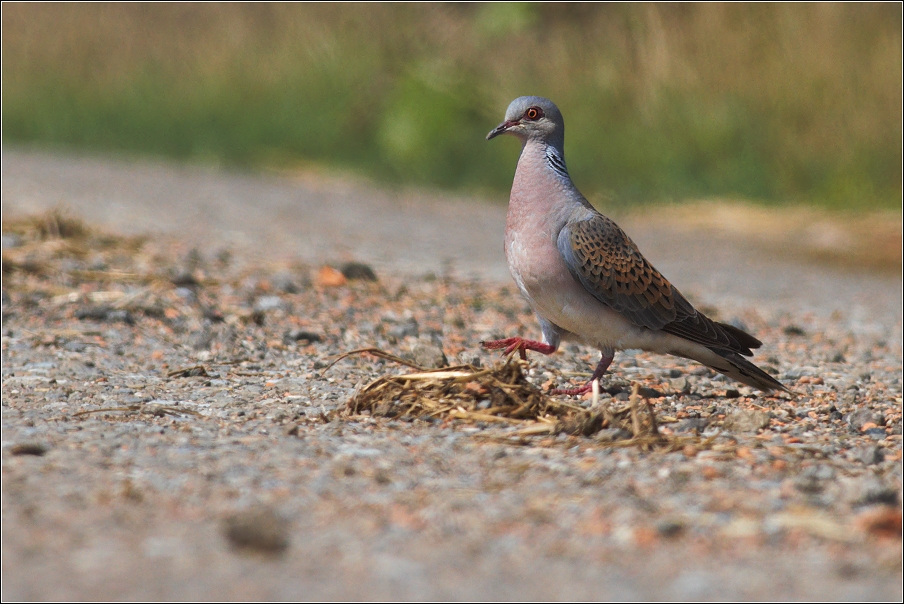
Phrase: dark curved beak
(501, 129)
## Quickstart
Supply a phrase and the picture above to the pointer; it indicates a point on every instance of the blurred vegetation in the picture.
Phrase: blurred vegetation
(768, 102)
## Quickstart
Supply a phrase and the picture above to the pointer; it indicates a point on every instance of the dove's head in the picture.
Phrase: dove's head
(532, 117)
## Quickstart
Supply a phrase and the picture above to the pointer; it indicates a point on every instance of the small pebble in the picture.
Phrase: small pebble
(871, 455)
(429, 355)
(183, 278)
(669, 527)
(92, 313)
(358, 270)
(257, 529)
(10, 240)
(743, 420)
(301, 335)
(75, 346)
(265, 303)
(36, 449)
(876, 491)
(681, 384)
(694, 425)
(467, 357)
(859, 418)
(407, 328)
(286, 283)
(612, 435)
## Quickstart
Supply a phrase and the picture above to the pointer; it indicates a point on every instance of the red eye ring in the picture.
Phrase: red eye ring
(533, 113)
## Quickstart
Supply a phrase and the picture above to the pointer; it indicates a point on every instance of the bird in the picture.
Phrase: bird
(586, 280)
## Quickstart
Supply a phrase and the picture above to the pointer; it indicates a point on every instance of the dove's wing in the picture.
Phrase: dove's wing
(608, 264)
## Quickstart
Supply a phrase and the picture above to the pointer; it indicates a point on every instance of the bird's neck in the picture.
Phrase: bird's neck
(541, 171)
(555, 160)
(543, 195)
(544, 157)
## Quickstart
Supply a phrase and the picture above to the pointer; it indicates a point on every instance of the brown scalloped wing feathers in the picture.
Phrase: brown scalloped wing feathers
(609, 262)
(609, 265)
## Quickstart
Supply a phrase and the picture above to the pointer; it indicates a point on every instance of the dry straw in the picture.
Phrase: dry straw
(503, 396)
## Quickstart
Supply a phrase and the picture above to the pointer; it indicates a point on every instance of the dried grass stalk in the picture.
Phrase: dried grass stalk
(500, 394)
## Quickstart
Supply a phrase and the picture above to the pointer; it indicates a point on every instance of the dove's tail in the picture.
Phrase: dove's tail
(729, 363)
(738, 368)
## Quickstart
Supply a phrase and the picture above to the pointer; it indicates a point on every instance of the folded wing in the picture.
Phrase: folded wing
(608, 264)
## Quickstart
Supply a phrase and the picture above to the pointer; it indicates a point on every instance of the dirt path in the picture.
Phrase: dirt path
(793, 498)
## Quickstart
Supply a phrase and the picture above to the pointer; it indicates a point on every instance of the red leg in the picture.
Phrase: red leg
(519, 344)
(598, 373)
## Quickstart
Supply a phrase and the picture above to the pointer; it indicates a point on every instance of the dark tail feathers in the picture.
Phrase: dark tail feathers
(745, 339)
(746, 372)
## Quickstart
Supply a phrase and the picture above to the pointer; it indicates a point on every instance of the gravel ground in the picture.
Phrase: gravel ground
(171, 429)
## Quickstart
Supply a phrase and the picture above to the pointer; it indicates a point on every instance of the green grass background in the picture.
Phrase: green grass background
(770, 103)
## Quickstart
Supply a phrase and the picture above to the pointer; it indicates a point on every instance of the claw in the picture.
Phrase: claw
(519, 344)
(573, 391)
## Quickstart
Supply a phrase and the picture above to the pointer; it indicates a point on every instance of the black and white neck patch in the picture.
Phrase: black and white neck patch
(556, 161)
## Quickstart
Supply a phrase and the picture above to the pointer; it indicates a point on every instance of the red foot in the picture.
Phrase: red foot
(519, 344)
(573, 391)
(601, 368)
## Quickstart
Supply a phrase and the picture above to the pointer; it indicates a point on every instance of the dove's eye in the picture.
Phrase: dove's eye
(534, 113)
